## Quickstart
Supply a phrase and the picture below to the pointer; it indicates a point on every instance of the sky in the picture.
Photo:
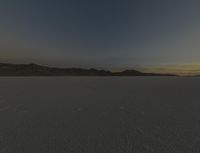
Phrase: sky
(109, 34)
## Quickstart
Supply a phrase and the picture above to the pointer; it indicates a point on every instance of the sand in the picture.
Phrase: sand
(99, 115)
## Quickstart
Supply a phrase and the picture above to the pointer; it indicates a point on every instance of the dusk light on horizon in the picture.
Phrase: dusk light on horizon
(107, 34)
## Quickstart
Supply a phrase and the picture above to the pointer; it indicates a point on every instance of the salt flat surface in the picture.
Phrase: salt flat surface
(99, 115)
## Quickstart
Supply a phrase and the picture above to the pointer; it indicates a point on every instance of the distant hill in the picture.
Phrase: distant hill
(39, 70)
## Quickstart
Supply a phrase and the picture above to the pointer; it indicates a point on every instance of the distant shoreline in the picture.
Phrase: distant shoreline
(7, 69)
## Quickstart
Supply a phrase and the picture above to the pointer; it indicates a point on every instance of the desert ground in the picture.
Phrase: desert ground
(99, 115)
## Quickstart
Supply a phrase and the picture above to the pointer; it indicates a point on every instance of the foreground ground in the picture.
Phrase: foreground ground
(100, 115)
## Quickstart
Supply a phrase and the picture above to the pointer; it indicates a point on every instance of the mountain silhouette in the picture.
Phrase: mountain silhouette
(39, 70)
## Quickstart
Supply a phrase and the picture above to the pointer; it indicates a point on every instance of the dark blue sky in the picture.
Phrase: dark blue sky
(111, 34)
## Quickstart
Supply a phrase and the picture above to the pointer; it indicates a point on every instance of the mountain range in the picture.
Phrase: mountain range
(39, 70)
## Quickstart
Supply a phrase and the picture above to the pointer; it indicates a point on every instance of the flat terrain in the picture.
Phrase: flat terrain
(99, 115)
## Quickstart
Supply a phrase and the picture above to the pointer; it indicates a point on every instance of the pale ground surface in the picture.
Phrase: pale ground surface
(100, 115)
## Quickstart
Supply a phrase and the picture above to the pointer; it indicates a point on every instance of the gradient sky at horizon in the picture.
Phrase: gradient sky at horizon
(110, 34)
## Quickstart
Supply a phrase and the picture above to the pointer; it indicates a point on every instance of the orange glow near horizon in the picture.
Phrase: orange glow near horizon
(182, 70)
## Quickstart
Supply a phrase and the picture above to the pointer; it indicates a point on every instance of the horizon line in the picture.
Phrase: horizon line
(180, 70)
